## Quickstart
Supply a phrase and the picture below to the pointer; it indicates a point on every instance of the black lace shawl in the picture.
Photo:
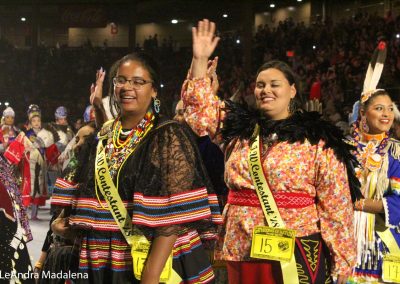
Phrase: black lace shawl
(166, 162)
(240, 123)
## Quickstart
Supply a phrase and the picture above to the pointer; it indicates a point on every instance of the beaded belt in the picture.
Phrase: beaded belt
(248, 197)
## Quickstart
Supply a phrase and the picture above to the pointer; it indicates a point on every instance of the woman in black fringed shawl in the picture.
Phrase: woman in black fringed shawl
(308, 167)
(156, 170)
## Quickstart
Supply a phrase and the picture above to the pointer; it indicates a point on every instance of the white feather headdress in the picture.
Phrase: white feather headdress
(374, 72)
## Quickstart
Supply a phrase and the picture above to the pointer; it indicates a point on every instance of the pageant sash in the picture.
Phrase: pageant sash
(274, 241)
(139, 247)
(140, 251)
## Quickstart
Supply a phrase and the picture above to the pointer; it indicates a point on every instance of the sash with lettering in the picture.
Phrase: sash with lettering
(272, 242)
(139, 244)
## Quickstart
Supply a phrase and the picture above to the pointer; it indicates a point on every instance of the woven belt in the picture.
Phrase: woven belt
(248, 197)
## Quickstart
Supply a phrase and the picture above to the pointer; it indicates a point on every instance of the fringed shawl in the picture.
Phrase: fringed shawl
(300, 126)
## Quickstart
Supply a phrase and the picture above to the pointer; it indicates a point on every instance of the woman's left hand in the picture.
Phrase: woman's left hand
(96, 90)
(212, 74)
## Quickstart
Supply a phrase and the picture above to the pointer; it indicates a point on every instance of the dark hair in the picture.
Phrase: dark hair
(82, 155)
(289, 75)
(111, 100)
(146, 61)
(378, 93)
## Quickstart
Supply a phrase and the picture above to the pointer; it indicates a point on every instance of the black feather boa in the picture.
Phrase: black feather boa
(240, 123)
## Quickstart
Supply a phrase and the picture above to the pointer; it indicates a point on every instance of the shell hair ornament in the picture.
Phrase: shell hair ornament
(374, 72)
(33, 110)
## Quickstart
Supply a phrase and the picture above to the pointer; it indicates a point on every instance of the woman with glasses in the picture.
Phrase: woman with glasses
(288, 173)
(147, 197)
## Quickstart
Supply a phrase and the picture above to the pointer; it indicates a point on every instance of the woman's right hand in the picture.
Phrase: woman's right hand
(204, 44)
(60, 226)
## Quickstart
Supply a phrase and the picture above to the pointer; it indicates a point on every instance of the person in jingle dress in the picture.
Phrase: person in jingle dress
(160, 178)
(307, 164)
(378, 215)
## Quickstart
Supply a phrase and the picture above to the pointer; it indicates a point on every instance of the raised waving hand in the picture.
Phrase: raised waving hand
(96, 90)
(204, 44)
(96, 96)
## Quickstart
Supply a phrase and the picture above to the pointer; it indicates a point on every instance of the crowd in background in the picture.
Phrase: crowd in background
(329, 58)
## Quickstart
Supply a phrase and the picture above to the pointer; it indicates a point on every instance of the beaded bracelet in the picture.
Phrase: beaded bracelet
(359, 205)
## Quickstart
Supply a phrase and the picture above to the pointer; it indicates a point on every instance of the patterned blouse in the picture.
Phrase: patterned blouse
(296, 172)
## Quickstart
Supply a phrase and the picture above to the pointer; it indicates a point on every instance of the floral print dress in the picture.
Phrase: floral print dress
(309, 185)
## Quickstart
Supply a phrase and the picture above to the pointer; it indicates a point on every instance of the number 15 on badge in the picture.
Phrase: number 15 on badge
(273, 243)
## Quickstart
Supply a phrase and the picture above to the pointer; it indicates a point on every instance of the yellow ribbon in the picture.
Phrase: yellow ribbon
(116, 206)
(268, 204)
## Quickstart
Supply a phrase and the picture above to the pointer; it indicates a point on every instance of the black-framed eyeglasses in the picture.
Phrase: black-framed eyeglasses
(136, 83)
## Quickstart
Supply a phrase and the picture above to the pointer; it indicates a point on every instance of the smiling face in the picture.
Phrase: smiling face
(130, 100)
(273, 93)
(379, 114)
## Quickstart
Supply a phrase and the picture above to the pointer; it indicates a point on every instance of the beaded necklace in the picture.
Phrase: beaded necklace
(370, 154)
(120, 146)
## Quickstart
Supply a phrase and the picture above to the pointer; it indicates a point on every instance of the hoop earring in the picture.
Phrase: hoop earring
(156, 105)
(364, 125)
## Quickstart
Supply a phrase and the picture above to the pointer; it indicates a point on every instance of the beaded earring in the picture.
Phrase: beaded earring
(364, 125)
(156, 105)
